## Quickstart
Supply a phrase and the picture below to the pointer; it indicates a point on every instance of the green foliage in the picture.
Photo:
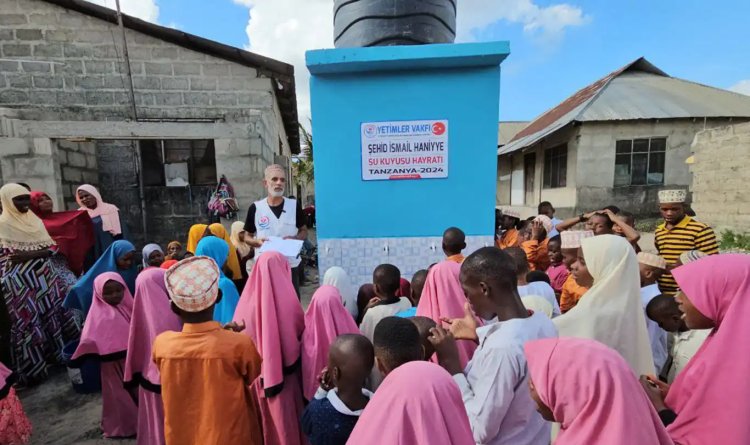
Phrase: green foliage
(731, 241)
(303, 167)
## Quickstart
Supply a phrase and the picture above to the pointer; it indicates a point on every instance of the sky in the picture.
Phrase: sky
(556, 47)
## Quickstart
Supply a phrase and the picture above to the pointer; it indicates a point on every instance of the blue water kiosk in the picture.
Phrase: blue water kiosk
(405, 147)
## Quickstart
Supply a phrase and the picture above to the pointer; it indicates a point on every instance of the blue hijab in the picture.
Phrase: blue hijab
(81, 294)
(218, 250)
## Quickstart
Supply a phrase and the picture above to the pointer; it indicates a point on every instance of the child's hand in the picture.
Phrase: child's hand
(463, 328)
(374, 301)
(446, 349)
(656, 390)
(233, 326)
(325, 379)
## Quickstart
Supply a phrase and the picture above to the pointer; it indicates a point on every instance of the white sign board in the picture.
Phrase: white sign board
(404, 150)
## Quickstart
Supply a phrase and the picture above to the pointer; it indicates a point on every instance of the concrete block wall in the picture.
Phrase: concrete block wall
(721, 173)
(64, 65)
(77, 166)
(33, 161)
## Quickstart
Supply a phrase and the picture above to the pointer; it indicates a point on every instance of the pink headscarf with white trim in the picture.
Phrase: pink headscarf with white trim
(105, 331)
(443, 296)
(593, 393)
(151, 316)
(273, 315)
(417, 403)
(710, 395)
(109, 213)
(326, 318)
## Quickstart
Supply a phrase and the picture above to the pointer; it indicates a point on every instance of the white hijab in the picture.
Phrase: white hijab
(338, 278)
(611, 311)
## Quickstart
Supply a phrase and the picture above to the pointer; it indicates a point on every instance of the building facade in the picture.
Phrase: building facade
(154, 138)
(617, 141)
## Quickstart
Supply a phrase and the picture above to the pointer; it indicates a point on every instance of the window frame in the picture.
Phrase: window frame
(560, 162)
(650, 155)
(159, 146)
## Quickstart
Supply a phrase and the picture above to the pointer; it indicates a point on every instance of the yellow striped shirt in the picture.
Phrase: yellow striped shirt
(687, 235)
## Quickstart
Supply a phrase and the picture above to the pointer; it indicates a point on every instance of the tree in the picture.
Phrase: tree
(302, 165)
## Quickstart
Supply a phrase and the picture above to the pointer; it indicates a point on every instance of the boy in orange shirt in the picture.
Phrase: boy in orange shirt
(570, 241)
(206, 371)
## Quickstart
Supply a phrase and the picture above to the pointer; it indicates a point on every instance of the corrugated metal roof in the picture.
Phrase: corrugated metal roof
(506, 131)
(637, 91)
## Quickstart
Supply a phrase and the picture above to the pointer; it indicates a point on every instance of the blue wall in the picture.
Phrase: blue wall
(347, 206)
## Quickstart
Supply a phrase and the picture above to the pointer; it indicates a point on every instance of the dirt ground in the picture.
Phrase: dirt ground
(60, 416)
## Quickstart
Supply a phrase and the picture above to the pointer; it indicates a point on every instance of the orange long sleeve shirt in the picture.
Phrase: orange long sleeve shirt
(537, 254)
(571, 294)
(205, 376)
(508, 239)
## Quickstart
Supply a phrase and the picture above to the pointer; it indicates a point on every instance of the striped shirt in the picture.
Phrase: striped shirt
(687, 235)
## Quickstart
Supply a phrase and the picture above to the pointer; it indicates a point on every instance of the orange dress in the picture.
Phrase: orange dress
(457, 258)
(206, 373)
(537, 254)
(571, 294)
(508, 239)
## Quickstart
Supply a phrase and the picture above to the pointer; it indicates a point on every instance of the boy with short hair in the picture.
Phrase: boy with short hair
(386, 281)
(494, 385)
(454, 242)
(205, 371)
(424, 326)
(546, 208)
(539, 288)
(664, 310)
(557, 271)
(651, 267)
(570, 242)
(396, 342)
(417, 285)
(331, 416)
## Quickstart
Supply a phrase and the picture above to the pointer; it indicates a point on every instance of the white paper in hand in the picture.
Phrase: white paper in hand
(290, 248)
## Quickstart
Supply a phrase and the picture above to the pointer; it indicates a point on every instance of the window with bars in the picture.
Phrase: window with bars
(640, 161)
(555, 167)
(194, 158)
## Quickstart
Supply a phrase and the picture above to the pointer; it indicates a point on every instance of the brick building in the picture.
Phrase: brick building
(201, 109)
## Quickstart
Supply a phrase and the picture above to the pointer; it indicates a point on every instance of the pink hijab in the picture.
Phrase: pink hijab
(151, 316)
(109, 213)
(326, 319)
(105, 332)
(593, 393)
(443, 296)
(710, 395)
(274, 318)
(417, 403)
(5, 380)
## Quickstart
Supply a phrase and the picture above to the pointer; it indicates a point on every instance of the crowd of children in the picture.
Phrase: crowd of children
(553, 334)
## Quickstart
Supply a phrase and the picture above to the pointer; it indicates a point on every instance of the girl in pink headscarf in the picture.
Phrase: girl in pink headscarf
(417, 403)
(326, 319)
(592, 392)
(151, 316)
(443, 297)
(708, 401)
(275, 322)
(108, 225)
(105, 336)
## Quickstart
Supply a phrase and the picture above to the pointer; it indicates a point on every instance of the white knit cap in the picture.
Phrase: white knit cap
(672, 196)
(649, 259)
(193, 283)
(508, 211)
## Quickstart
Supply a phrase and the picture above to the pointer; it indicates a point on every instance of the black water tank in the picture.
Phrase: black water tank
(393, 22)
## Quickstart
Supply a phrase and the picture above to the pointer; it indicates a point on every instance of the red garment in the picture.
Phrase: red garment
(404, 288)
(73, 232)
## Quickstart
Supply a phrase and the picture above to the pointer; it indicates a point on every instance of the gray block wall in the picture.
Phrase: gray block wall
(57, 62)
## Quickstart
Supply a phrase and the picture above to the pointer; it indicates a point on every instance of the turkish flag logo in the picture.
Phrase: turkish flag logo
(438, 128)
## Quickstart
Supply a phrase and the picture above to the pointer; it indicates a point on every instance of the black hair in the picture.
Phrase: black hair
(608, 222)
(556, 239)
(387, 277)
(358, 344)
(537, 275)
(490, 264)
(519, 258)
(24, 185)
(613, 208)
(544, 205)
(454, 240)
(661, 303)
(423, 323)
(397, 341)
